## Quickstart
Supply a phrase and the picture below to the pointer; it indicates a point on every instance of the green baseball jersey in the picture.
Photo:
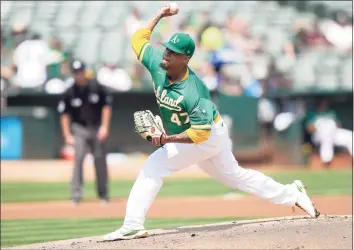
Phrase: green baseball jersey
(316, 117)
(185, 104)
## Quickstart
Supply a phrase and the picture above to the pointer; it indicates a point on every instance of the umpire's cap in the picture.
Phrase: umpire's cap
(77, 66)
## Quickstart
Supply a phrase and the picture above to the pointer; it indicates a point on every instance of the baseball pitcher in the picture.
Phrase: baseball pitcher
(197, 134)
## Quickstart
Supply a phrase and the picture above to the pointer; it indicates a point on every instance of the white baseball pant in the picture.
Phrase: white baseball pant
(214, 156)
(328, 138)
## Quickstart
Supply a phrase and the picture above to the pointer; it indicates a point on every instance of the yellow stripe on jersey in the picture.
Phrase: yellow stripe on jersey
(141, 56)
(184, 78)
(217, 118)
(198, 136)
(139, 40)
(200, 133)
(204, 126)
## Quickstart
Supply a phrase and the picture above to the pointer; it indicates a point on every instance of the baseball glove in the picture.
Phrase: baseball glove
(148, 126)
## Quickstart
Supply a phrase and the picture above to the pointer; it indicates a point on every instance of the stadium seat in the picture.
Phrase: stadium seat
(246, 15)
(346, 74)
(24, 4)
(303, 73)
(265, 12)
(113, 15)
(90, 14)
(111, 47)
(326, 70)
(258, 30)
(145, 7)
(46, 10)
(5, 11)
(284, 17)
(246, 5)
(68, 37)
(43, 28)
(268, 8)
(339, 5)
(327, 82)
(261, 60)
(187, 5)
(203, 6)
(276, 39)
(329, 61)
(306, 17)
(218, 16)
(87, 46)
(67, 14)
(284, 63)
(21, 16)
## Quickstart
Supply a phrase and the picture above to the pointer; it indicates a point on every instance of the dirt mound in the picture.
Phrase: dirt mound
(326, 232)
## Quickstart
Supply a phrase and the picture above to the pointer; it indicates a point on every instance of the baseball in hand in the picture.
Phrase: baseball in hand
(173, 7)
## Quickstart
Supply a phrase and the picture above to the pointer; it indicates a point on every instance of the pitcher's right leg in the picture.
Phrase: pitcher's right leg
(225, 168)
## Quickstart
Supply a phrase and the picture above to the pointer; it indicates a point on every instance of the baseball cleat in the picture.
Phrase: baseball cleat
(303, 201)
(125, 234)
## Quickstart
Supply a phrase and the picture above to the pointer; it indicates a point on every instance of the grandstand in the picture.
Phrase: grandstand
(273, 55)
(98, 27)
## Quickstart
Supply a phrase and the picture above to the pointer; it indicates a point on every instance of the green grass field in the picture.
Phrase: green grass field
(22, 232)
(332, 182)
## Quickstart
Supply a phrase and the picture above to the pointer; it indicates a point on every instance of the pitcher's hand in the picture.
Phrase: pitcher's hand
(166, 11)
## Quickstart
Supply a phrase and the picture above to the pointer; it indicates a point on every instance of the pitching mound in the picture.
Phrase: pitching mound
(326, 232)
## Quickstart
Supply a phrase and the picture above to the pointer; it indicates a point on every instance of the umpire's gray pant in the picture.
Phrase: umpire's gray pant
(86, 138)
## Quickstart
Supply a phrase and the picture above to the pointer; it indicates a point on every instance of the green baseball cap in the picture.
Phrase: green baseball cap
(181, 43)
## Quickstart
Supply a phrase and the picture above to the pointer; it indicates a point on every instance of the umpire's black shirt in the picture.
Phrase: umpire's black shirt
(84, 104)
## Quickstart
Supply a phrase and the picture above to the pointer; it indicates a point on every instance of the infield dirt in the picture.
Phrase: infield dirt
(325, 232)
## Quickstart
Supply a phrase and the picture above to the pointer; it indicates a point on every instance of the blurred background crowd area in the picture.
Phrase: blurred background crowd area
(243, 48)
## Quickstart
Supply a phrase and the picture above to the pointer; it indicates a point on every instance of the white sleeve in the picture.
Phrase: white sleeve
(17, 54)
(46, 54)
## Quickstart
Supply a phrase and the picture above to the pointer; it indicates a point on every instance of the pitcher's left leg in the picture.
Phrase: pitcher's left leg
(162, 163)
(225, 168)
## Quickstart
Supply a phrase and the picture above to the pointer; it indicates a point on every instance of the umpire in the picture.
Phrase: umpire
(86, 106)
